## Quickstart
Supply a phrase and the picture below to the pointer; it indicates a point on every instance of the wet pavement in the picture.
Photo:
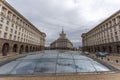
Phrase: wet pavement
(52, 62)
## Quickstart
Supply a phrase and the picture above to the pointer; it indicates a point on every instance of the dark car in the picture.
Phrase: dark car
(100, 54)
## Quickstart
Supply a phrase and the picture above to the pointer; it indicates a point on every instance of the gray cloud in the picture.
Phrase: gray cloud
(77, 16)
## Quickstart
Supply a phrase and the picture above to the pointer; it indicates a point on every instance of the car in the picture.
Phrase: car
(100, 54)
(107, 54)
(86, 53)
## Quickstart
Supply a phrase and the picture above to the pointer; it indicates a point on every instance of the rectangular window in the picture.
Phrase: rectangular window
(16, 27)
(7, 22)
(6, 28)
(2, 19)
(19, 33)
(11, 30)
(19, 28)
(115, 33)
(10, 36)
(116, 37)
(5, 35)
(12, 25)
(14, 37)
(1, 26)
(18, 38)
(15, 32)
(0, 33)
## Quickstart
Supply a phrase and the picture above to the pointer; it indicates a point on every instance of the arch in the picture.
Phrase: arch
(30, 48)
(15, 48)
(118, 48)
(110, 49)
(5, 49)
(98, 48)
(36, 49)
(95, 49)
(104, 49)
(26, 49)
(21, 49)
(33, 48)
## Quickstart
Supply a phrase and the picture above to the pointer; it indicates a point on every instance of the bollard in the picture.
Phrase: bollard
(101, 57)
(108, 59)
(117, 61)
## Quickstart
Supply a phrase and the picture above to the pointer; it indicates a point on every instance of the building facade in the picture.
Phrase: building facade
(62, 43)
(17, 34)
(105, 37)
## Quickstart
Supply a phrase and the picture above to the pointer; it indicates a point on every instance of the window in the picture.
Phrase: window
(15, 32)
(10, 36)
(115, 33)
(112, 39)
(19, 33)
(110, 23)
(2, 19)
(0, 26)
(16, 27)
(5, 35)
(116, 37)
(12, 25)
(19, 28)
(114, 21)
(3, 11)
(22, 34)
(24, 40)
(7, 22)
(14, 37)
(22, 30)
(18, 38)
(0, 33)
(21, 39)
(6, 28)
(11, 30)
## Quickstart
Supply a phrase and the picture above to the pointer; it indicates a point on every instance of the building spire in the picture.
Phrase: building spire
(62, 30)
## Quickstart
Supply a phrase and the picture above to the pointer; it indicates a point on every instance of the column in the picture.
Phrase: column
(0, 8)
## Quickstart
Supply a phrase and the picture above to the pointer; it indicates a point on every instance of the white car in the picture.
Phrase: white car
(87, 53)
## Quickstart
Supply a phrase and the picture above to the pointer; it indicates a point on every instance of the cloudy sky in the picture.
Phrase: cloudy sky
(75, 16)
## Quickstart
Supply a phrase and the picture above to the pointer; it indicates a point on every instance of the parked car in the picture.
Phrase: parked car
(106, 53)
(101, 54)
(86, 53)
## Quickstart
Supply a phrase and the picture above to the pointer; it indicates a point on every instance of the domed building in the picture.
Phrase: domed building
(62, 42)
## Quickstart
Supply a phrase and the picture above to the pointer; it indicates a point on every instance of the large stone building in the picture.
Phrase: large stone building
(17, 34)
(62, 42)
(104, 37)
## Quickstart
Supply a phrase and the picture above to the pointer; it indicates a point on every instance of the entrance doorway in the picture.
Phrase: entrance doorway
(26, 49)
(21, 49)
(118, 48)
(15, 48)
(5, 49)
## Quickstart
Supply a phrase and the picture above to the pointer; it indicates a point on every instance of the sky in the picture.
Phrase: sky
(75, 16)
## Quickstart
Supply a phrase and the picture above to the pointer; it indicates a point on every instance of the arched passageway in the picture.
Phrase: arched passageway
(5, 49)
(104, 49)
(26, 49)
(118, 48)
(110, 49)
(30, 48)
(15, 48)
(98, 48)
(21, 49)
(33, 48)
